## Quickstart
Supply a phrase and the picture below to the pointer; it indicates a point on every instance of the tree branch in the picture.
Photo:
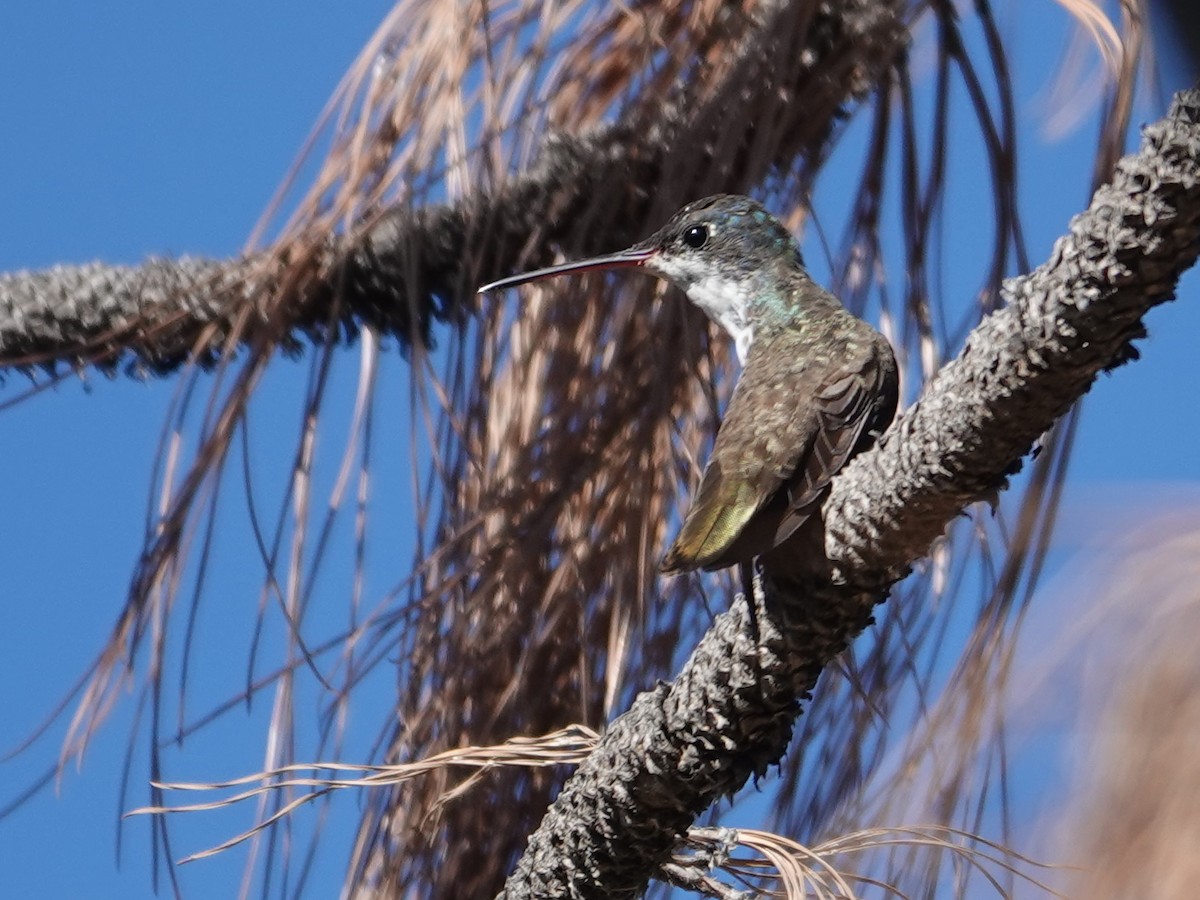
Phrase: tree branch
(729, 713)
(408, 267)
(155, 310)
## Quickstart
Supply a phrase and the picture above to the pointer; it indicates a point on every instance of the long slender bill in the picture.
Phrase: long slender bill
(624, 259)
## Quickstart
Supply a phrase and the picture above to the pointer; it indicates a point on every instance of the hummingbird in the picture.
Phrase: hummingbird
(818, 384)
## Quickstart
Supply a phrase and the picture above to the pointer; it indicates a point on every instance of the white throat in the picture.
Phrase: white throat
(725, 301)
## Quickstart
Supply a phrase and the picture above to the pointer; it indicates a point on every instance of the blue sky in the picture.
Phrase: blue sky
(137, 129)
(131, 129)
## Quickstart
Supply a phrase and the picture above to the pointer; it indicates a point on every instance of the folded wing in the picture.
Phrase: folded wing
(794, 420)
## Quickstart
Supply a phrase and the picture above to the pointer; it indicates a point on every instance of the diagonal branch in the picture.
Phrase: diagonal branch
(729, 713)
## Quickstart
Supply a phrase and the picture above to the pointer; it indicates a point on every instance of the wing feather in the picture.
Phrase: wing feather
(788, 430)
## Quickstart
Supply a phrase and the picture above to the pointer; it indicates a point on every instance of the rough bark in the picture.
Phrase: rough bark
(154, 310)
(730, 712)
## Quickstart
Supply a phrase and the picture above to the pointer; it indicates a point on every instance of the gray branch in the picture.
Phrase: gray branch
(417, 266)
(729, 714)
(55, 314)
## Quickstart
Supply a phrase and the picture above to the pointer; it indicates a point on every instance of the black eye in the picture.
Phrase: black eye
(696, 236)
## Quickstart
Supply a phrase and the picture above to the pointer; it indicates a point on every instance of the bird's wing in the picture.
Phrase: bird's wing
(846, 407)
(788, 430)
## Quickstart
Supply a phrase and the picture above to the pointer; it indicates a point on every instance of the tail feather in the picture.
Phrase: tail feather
(712, 524)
